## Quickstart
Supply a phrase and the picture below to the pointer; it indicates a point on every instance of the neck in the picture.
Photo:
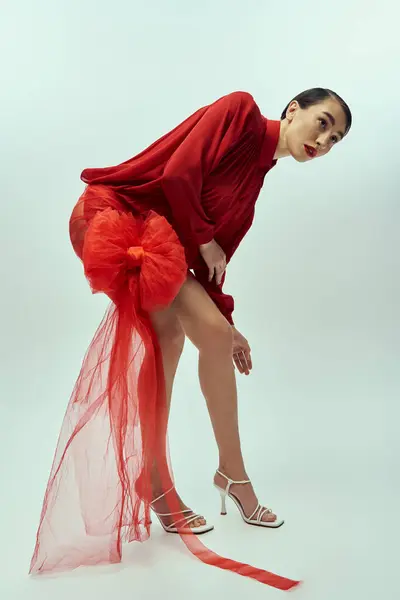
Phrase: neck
(282, 149)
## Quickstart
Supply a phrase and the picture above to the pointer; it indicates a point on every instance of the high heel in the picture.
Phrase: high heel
(256, 516)
(223, 500)
(185, 521)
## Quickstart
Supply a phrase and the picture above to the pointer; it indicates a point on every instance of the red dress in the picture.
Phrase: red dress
(137, 228)
(204, 177)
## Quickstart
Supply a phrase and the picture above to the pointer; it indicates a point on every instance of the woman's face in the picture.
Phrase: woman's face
(313, 131)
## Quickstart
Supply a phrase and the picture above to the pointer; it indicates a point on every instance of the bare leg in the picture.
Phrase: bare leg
(212, 335)
(171, 338)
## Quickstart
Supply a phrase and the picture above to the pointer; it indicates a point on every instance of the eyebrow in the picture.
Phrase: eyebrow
(332, 120)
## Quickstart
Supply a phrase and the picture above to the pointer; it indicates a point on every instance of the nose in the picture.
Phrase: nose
(323, 143)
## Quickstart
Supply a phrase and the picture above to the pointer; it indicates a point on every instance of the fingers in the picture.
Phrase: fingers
(238, 364)
(216, 271)
(219, 273)
(248, 359)
(243, 362)
(215, 259)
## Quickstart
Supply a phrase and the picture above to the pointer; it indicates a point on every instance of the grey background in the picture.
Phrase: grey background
(316, 283)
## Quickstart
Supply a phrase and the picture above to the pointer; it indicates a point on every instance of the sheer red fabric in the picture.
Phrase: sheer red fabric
(115, 428)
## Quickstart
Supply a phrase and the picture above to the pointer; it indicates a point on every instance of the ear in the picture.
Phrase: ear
(292, 110)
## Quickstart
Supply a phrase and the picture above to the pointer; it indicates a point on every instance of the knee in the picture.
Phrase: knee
(215, 334)
(171, 336)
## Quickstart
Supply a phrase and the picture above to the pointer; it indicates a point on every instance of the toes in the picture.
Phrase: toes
(270, 517)
(198, 522)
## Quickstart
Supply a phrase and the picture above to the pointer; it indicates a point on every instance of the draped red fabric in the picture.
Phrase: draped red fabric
(114, 431)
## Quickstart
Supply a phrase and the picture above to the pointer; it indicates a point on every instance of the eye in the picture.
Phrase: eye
(334, 139)
(324, 123)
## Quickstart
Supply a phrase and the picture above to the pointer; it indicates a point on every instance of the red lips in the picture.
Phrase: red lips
(310, 151)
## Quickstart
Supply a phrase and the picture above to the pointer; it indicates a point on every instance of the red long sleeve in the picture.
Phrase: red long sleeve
(221, 125)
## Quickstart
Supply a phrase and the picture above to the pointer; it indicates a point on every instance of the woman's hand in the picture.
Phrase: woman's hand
(241, 353)
(215, 259)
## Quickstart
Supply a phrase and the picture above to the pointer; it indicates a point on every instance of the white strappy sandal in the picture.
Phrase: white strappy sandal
(180, 525)
(256, 517)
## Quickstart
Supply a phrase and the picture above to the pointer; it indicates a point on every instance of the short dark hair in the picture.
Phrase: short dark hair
(315, 96)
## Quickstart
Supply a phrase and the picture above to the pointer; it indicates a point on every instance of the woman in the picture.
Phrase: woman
(199, 183)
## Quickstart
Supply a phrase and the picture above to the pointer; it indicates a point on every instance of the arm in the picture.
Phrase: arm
(220, 125)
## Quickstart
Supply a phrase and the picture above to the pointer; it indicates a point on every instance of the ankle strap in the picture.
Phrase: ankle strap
(162, 495)
(232, 481)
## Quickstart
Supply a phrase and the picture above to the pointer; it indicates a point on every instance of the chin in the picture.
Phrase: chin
(299, 155)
